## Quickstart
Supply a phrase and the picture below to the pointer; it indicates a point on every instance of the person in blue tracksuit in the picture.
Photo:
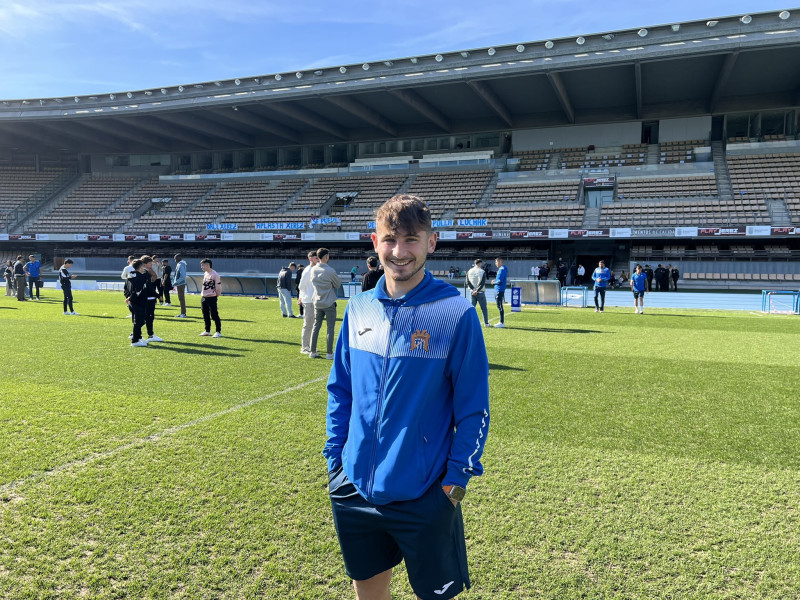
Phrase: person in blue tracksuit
(408, 416)
(638, 286)
(600, 276)
(500, 282)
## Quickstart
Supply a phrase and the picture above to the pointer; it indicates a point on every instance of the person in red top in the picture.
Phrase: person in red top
(212, 290)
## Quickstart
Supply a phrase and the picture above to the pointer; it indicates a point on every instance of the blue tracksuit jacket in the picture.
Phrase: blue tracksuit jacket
(408, 394)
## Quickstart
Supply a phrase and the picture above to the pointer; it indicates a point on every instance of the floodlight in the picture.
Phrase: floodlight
(712, 23)
(278, 77)
(92, 97)
(26, 102)
(59, 100)
(257, 79)
(77, 99)
(520, 48)
(388, 63)
(439, 58)
(164, 90)
(580, 40)
(318, 73)
(147, 93)
(491, 51)
(181, 88)
(465, 54)
(237, 81)
(299, 75)
(549, 45)
(642, 32)
(112, 96)
(41, 102)
(342, 70)
(746, 19)
(365, 66)
(199, 86)
(414, 60)
(784, 14)
(129, 94)
(676, 27)
(608, 37)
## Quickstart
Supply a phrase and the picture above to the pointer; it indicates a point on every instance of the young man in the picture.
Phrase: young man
(151, 293)
(33, 271)
(179, 283)
(126, 273)
(581, 274)
(500, 282)
(306, 301)
(298, 275)
(136, 298)
(326, 289)
(600, 276)
(19, 279)
(638, 286)
(476, 282)
(371, 277)
(65, 279)
(159, 274)
(408, 417)
(285, 290)
(675, 274)
(166, 280)
(212, 290)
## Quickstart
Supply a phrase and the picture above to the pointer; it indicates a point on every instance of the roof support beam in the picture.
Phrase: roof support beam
(238, 114)
(637, 70)
(722, 80)
(423, 107)
(78, 132)
(364, 112)
(309, 118)
(128, 131)
(489, 97)
(561, 94)
(165, 128)
(195, 121)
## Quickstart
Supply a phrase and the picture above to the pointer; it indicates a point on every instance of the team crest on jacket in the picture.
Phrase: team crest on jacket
(420, 339)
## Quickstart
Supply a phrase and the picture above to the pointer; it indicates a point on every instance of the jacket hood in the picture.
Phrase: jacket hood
(429, 289)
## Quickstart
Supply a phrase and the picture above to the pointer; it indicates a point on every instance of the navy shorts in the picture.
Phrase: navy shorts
(638, 294)
(428, 533)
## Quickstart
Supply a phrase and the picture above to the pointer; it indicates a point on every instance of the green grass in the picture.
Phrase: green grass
(651, 456)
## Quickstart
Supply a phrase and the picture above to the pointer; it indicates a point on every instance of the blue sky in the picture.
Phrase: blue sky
(78, 47)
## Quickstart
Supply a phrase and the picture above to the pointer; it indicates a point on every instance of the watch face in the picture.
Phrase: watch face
(457, 493)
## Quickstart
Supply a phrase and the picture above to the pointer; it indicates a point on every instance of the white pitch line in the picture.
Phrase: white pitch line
(150, 439)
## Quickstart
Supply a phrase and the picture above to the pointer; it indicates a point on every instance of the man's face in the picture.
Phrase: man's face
(312, 259)
(205, 266)
(403, 254)
(293, 268)
(601, 264)
(148, 265)
(498, 263)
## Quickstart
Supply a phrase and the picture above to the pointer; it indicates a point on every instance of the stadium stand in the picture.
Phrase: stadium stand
(18, 185)
(768, 176)
(666, 187)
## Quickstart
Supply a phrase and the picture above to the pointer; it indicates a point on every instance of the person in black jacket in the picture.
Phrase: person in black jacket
(19, 278)
(135, 291)
(297, 276)
(373, 274)
(675, 276)
(285, 290)
(648, 271)
(65, 279)
(166, 280)
(151, 290)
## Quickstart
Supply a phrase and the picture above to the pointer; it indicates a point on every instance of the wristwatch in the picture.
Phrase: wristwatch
(454, 492)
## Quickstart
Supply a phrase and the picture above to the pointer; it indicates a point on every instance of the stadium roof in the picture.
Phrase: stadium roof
(716, 66)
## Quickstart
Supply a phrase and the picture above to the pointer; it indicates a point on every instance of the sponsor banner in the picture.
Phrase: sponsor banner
(3, 237)
(42, 237)
(652, 232)
(23, 236)
(473, 222)
(222, 226)
(226, 237)
(447, 235)
(620, 232)
(598, 182)
(720, 231)
(366, 236)
(352, 236)
(473, 235)
(536, 233)
(686, 232)
(103, 238)
(266, 237)
(208, 237)
(588, 233)
(135, 238)
(516, 299)
(153, 237)
(118, 237)
(759, 230)
(325, 221)
(278, 226)
(501, 235)
(310, 236)
(160, 200)
(290, 236)
(438, 223)
(558, 233)
(81, 237)
(175, 237)
(786, 231)
(188, 237)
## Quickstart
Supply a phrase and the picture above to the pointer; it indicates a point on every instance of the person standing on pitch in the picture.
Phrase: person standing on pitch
(638, 286)
(675, 274)
(8, 274)
(166, 280)
(407, 418)
(500, 282)
(19, 278)
(33, 271)
(212, 290)
(601, 276)
(136, 298)
(179, 283)
(285, 290)
(298, 275)
(373, 274)
(476, 282)
(65, 279)
(326, 289)
(306, 301)
(151, 293)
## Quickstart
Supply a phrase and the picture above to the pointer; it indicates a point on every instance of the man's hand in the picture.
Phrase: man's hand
(447, 489)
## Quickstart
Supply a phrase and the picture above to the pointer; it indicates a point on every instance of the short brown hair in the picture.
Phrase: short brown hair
(404, 213)
(322, 253)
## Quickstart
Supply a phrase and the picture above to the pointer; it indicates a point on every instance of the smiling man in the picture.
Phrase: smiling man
(408, 415)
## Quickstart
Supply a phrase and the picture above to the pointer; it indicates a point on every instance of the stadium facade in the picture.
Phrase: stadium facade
(672, 143)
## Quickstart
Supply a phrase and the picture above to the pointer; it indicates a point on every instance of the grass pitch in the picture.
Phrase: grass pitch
(629, 456)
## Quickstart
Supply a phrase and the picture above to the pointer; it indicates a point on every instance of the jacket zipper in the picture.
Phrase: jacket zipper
(379, 407)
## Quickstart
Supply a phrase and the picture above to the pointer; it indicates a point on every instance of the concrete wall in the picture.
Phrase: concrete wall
(691, 128)
(574, 136)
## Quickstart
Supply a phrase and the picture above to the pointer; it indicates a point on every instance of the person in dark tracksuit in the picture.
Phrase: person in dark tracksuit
(648, 271)
(151, 288)
(65, 279)
(675, 273)
(166, 280)
(136, 298)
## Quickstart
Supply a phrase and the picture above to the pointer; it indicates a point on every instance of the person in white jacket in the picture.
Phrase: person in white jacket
(306, 300)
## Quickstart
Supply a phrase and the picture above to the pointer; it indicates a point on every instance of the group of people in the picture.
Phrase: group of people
(476, 282)
(23, 279)
(661, 276)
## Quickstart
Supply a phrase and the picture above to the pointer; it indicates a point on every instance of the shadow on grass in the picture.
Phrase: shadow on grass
(556, 330)
(98, 317)
(263, 341)
(185, 348)
(494, 367)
